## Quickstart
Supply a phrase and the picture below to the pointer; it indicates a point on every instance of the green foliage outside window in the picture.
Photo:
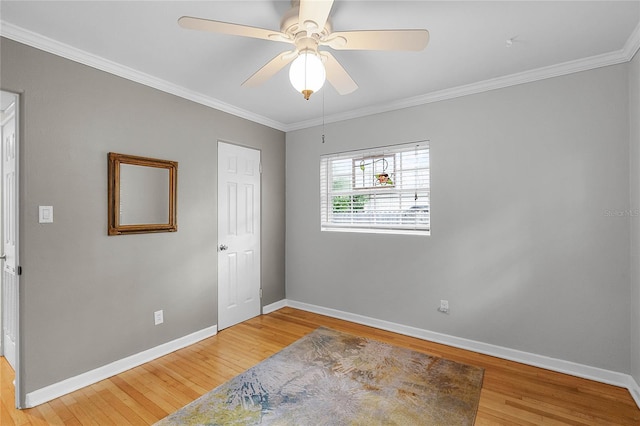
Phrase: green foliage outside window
(349, 202)
(343, 203)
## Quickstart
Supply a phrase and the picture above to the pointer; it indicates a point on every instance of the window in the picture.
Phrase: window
(381, 190)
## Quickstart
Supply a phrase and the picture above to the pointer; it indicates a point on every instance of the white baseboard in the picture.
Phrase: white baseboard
(634, 390)
(64, 387)
(57, 390)
(274, 306)
(554, 364)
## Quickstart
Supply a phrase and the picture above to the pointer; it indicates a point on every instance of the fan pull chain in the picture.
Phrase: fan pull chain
(323, 116)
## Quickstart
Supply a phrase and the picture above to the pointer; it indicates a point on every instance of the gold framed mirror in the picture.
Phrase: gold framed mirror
(142, 195)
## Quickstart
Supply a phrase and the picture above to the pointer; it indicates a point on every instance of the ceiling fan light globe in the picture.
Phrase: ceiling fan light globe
(307, 73)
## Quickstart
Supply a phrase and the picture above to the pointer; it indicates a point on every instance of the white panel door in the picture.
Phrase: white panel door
(238, 234)
(9, 153)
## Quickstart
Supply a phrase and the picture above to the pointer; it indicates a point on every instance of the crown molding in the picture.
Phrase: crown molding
(38, 41)
(47, 44)
(625, 54)
(475, 88)
(632, 45)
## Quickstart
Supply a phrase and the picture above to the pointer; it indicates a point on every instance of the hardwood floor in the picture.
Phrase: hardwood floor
(512, 393)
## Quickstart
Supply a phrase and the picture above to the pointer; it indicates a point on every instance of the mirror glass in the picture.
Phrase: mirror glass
(142, 195)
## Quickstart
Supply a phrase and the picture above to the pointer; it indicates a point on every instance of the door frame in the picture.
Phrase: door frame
(218, 142)
(18, 190)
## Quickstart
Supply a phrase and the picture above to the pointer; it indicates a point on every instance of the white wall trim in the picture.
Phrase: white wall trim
(64, 387)
(625, 54)
(50, 45)
(634, 390)
(39, 41)
(543, 73)
(633, 44)
(267, 309)
(554, 364)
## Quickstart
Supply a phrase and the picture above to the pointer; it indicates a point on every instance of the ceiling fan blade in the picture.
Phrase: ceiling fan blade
(337, 75)
(270, 69)
(378, 40)
(313, 14)
(200, 24)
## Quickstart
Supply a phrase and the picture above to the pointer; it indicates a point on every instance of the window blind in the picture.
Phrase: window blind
(384, 189)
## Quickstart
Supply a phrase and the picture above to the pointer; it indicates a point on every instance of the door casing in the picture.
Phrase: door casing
(10, 152)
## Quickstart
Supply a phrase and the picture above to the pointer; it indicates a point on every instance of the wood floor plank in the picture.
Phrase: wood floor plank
(46, 414)
(78, 409)
(91, 407)
(512, 394)
(151, 410)
(5, 415)
(137, 381)
(62, 411)
(128, 407)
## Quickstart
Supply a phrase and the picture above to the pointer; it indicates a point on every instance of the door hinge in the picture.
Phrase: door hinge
(260, 293)
(260, 167)
(19, 270)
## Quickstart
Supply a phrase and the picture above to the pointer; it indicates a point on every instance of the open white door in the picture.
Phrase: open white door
(9, 224)
(238, 234)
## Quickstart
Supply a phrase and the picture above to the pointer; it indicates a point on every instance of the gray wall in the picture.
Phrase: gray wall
(87, 298)
(526, 242)
(634, 138)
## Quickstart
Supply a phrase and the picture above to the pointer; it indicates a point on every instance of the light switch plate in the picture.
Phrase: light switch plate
(45, 214)
(158, 317)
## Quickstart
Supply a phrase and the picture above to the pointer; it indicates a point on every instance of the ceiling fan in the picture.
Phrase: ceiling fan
(306, 25)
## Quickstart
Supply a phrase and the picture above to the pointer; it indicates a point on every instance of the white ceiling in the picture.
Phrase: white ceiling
(467, 53)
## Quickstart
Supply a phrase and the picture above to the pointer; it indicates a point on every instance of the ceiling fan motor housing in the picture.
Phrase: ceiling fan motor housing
(303, 39)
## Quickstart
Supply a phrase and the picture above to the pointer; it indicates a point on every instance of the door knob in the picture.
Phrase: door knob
(223, 247)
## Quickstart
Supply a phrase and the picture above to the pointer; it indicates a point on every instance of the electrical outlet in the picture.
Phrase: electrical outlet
(444, 306)
(158, 317)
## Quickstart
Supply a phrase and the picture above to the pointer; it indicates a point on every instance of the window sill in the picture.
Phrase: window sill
(421, 232)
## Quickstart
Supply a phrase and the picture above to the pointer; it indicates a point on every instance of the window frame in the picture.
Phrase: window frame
(385, 210)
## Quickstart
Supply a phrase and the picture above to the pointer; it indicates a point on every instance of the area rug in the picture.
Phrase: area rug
(333, 378)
